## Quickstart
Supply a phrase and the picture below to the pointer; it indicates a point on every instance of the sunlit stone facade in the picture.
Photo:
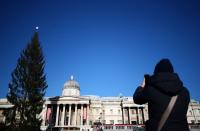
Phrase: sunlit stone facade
(193, 114)
(72, 111)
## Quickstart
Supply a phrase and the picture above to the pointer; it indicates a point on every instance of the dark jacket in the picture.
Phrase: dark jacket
(157, 93)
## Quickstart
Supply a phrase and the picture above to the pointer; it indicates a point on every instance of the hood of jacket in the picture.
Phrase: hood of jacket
(167, 83)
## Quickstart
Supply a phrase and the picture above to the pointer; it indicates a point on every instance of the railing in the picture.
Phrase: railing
(121, 127)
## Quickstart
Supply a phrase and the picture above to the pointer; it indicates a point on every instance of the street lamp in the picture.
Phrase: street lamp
(100, 117)
(121, 104)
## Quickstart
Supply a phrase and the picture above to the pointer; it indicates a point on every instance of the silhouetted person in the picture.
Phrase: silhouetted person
(157, 90)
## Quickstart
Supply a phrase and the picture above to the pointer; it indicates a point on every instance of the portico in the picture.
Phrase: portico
(133, 114)
(69, 110)
(67, 115)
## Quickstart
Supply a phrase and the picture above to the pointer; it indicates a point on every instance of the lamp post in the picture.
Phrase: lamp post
(100, 117)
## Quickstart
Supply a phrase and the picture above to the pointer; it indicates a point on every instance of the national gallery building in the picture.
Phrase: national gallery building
(73, 112)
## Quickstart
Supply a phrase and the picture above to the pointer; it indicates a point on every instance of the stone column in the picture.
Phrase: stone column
(57, 114)
(81, 114)
(69, 118)
(75, 114)
(137, 115)
(129, 112)
(143, 120)
(124, 116)
(88, 114)
(63, 115)
(44, 115)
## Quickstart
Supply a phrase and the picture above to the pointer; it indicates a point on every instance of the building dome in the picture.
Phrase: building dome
(71, 88)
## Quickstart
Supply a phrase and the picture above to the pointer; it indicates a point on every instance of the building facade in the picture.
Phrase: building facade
(72, 111)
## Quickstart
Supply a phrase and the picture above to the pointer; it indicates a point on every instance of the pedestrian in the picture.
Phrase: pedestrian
(167, 99)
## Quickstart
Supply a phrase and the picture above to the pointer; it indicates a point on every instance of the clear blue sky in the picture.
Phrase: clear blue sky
(107, 45)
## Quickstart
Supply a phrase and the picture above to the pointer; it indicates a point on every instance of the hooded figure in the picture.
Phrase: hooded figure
(157, 92)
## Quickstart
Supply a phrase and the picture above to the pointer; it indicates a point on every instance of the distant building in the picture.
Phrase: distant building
(72, 111)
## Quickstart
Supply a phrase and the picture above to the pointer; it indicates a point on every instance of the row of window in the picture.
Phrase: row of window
(117, 122)
(111, 111)
(194, 111)
(110, 122)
